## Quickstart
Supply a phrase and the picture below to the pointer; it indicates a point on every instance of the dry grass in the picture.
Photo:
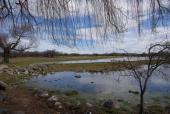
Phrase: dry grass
(24, 61)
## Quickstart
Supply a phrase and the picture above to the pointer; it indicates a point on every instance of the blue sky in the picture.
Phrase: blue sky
(89, 34)
(129, 41)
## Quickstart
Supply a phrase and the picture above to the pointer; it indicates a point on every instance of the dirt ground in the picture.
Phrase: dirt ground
(21, 99)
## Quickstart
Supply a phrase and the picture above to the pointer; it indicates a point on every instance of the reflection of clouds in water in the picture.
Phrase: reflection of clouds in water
(160, 81)
(117, 59)
(161, 77)
(116, 84)
(108, 83)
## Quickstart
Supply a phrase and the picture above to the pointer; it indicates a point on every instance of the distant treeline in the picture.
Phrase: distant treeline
(52, 53)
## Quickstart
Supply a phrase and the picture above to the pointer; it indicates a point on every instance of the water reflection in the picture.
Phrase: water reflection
(114, 84)
(105, 60)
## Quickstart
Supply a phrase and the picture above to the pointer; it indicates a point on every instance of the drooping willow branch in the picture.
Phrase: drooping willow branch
(62, 18)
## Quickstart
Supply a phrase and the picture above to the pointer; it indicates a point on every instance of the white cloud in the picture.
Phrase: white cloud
(129, 41)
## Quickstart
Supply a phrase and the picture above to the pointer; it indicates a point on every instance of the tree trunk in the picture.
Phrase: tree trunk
(141, 103)
(6, 55)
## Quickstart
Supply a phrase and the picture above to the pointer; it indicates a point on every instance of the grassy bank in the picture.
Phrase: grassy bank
(25, 61)
(88, 67)
(92, 67)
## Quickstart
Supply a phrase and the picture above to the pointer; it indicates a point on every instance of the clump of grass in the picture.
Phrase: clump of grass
(13, 80)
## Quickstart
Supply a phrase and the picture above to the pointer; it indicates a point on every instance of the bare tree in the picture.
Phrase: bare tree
(110, 14)
(15, 41)
(157, 55)
(105, 17)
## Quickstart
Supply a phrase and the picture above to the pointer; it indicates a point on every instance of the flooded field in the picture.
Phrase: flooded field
(103, 85)
(118, 59)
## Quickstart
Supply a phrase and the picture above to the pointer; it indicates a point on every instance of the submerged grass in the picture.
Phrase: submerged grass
(93, 67)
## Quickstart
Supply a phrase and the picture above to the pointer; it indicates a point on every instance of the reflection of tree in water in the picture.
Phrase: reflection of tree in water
(157, 56)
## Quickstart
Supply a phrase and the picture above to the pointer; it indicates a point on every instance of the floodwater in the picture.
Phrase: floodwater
(106, 60)
(109, 85)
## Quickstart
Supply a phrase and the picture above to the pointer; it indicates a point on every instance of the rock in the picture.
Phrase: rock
(34, 68)
(26, 72)
(21, 70)
(88, 112)
(3, 86)
(77, 76)
(2, 67)
(89, 105)
(60, 107)
(110, 104)
(52, 73)
(57, 103)
(9, 71)
(43, 94)
(53, 98)
(18, 73)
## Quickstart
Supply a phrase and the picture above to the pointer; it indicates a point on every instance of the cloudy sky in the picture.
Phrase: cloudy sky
(130, 42)
(90, 35)
(87, 33)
